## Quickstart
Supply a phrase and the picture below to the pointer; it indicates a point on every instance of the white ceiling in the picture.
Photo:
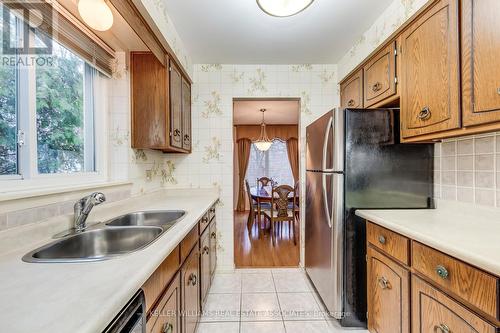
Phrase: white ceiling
(238, 32)
(278, 112)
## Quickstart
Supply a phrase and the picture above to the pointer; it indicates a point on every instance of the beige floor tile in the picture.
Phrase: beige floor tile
(263, 327)
(260, 307)
(299, 306)
(222, 307)
(218, 328)
(257, 283)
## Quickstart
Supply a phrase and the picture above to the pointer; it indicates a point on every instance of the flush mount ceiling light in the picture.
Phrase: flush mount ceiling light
(96, 13)
(263, 143)
(283, 8)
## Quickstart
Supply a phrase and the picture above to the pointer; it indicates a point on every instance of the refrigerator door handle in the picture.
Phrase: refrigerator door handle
(326, 205)
(325, 145)
(337, 264)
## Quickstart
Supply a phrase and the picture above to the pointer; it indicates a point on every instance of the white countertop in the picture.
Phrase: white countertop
(466, 232)
(85, 297)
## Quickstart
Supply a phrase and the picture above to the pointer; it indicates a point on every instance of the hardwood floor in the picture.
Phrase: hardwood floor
(250, 251)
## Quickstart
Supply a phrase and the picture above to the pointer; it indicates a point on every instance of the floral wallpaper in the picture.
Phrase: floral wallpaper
(391, 19)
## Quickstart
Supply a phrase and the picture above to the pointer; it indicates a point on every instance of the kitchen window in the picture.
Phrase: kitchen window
(272, 163)
(49, 115)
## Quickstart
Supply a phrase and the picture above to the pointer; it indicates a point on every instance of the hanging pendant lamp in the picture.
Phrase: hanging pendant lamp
(263, 143)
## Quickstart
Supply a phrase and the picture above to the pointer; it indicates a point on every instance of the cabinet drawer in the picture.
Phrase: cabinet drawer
(380, 76)
(165, 316)
(433, 311)
(393, 244)
(158, 281)
(211, 213)
(204, 222)
(470, 284)
(189, 242)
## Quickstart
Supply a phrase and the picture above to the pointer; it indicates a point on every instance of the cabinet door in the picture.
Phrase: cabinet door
(351, 91)
(186, 114)
(175, 106)
(165, 318)
(190, 279)
(433, 311)
(480, 61)
(213, 247)
(380, 76)
(149, 82)
(205, 265)
(388, 295)
(430, 84)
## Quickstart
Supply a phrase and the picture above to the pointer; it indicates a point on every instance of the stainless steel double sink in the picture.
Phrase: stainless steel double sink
(121, 235)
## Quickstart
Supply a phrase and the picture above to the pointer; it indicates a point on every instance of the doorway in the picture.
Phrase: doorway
(262, 236)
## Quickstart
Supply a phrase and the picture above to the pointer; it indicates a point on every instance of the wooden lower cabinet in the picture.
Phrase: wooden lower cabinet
(205, 279)
(190, 289)
(213, 247)
(165, 318)
(388, 295)
(433, 311)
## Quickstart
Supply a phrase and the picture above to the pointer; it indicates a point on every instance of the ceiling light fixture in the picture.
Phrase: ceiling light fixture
(283, 8)
(263, 143)
(96, 14)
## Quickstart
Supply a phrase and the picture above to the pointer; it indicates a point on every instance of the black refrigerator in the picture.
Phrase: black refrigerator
(354, 160)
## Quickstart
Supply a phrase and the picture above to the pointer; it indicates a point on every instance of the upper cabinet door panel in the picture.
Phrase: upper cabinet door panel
(149, 81)
(186, 115)
(175, 106)
(430, 94)
(480, 61)
(351, 91)
(379, 76)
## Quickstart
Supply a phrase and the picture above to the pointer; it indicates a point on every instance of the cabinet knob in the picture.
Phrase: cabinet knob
(377, 86)
(167, 328)
(351, 102)
(381, 239)
(442, 328)
(383, 283)
(424, 114)
(442, 271)
(192, 279)
(212, 210)
(177, 134)
(206, 249)
(204, 220)
(187, 137)
(213, 235)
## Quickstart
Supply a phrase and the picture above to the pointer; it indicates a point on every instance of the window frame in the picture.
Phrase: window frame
(27, 176)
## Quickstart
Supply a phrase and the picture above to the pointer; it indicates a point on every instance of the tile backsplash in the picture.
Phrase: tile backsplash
(467, 169)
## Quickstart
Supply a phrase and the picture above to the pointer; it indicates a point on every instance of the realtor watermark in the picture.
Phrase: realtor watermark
(27, 31)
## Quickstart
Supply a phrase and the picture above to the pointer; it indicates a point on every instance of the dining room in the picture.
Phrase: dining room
(266, 178)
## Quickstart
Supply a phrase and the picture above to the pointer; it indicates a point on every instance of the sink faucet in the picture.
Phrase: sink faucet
(83, 207)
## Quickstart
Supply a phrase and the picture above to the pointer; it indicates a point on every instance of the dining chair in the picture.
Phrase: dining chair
(296, 201)
(264, 181)
(254, 208)
(281, 210)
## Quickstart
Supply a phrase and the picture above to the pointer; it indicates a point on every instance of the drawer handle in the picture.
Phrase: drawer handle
(204, 220)
(192, 279)
(424, 114)
(442, 328)
(351, 102)
(383, 283)
(381, 239)
(442, 272)
(167, 328)
(206, 249)
(377, 86)
(214, 235)
(212, 210)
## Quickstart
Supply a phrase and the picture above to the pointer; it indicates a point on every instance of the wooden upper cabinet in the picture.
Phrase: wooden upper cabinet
(388, 295)
(433, 311)
(186, 115)
(351, 91)
(379, 75)
(161, 105)
(480, 61)
(149, 89)
(430, 82)
(175, 105)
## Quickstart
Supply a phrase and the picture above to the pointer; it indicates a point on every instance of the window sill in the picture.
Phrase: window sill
(45, 191)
